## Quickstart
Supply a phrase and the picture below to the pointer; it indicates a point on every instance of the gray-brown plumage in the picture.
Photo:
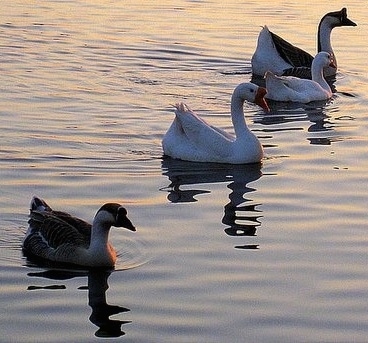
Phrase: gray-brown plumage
(60, 237)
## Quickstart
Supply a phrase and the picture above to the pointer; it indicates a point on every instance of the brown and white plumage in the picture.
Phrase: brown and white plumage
(57, 236)
(275, 54)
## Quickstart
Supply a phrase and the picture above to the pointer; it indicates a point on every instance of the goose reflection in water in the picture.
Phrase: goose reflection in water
(241, 214)
(322, 127)
(97, 287)
(321, 131)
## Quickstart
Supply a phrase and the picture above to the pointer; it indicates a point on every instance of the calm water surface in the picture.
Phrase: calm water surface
(270, 253)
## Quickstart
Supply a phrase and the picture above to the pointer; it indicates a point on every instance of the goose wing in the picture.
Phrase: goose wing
(301, 72)
(83, 227)
(280, 88)
(277, 82)
(48, 232)
(39, 206)
(200, 134)
(290, 53)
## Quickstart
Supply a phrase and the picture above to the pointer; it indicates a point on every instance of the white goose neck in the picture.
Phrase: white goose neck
(237, 115)
(317, 74)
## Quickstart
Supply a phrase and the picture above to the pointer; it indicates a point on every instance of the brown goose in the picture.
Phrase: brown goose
(58, 236)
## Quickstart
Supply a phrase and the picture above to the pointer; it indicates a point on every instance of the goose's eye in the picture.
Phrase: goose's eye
(252, 90)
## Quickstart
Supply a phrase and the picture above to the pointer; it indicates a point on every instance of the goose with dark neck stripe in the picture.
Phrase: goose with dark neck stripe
(57, 236)
(275, 54)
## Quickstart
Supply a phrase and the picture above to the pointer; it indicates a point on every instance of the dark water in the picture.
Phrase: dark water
(269, 253)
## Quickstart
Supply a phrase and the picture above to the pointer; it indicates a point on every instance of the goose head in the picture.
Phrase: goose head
(323, 59)
(321, 62)
(250, 92)
(338, 18)
(112, 214)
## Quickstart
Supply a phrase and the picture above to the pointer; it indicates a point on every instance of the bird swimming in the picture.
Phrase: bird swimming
(58, 236)
(191, 138)
(294, 89)
(277, 55)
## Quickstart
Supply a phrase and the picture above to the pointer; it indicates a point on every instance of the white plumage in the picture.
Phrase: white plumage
(289, 88)
(191, 138)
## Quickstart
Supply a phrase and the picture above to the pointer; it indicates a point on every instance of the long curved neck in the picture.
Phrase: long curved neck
(324, 39)
(317, 75)
(237, 115)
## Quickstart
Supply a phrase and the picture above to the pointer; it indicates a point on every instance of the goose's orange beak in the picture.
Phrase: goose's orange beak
(260, 98)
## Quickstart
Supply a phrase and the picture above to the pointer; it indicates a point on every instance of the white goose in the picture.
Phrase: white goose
(290, 88)
(59, 237)
(190, 138)
(282, 58)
